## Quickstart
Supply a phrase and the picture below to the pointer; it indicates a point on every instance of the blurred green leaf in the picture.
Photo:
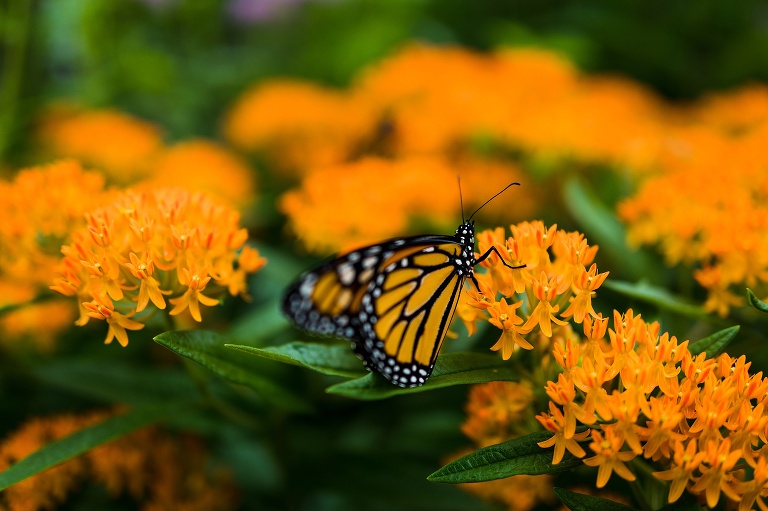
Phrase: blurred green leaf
(755, 302)
(261, 324)
(657, 296)
(450, 369)
(207, 349)
(330, 359)
(714, 344)
(86, 439)
(116, 381)
(603, 228)
(513, 457)
(581, 502)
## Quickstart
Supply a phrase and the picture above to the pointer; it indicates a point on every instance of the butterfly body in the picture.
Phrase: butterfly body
(393, 300)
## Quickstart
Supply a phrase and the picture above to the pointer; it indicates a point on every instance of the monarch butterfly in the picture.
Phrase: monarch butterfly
(393, 300)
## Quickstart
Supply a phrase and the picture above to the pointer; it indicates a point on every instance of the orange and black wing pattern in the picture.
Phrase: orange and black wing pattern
(406, 311)
(394, 300)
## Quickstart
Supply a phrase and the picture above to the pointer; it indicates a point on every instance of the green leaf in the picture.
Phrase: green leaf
(714, 344)
(86, 439)
(657, 296)
(450, 369)
(513, 457)
(603, 227)
(207, 349)
(116, 381)
(260, 325)
(755, 302)
(330, 359)
(580, 502)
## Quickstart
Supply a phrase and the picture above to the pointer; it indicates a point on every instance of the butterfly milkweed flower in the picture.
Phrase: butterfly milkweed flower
(533, 302)
(644, 395)
(299, 125)
(149, 466)
(708, 210)
(110, 140)
(152, 250)
(41, 207)
(347, 205)
(205, 166)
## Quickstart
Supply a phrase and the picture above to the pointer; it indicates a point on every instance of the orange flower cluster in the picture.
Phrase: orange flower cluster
(643, 394)
(437, 111)
(41, 207)
(131, 151)
(299, 124)
(106, 139)
(146, 246)
(427, 100)
(709, 209)
(347, 205)
(497, 411)
(558, 281)
(149, 466)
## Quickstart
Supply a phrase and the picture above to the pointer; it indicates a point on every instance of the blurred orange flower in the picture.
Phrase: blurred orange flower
(40, 208)
(109, 140)
(709, 209)
(157, 470)
(299, 125)
(203, 166)
(363, 202)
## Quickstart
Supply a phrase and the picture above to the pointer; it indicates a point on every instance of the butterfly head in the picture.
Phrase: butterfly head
(465, 233)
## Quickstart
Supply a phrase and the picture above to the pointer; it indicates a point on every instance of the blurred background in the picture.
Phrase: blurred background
(175, 73)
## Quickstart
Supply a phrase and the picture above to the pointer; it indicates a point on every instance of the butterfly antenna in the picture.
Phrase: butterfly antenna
(461, 199)
(489, 200)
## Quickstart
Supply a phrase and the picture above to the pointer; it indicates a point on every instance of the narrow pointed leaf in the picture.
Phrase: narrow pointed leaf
(450, 369)
(755, 302)
(715, 343)
(603, 228)
(656, 296)
(513, 457)
(207, 349)
(330, 359)
(86, 439)
(581, 502)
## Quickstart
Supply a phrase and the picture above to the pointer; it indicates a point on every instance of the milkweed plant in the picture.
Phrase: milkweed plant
(604, 356)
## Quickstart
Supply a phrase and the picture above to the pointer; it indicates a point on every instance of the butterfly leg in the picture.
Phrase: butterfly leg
(494, 249)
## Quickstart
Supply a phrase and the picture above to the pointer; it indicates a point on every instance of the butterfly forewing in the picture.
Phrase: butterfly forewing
(407, 310)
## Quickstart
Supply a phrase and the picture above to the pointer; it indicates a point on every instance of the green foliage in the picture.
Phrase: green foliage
(580, 502)
(715, 343)
(755, 302)
(450, 369)
(656, 296)
(208, 350)
(513, 457)
(330, 359)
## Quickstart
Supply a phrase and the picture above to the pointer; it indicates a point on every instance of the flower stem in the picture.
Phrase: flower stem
(14, 38)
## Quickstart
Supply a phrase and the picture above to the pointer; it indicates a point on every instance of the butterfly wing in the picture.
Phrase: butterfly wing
(406, 310)
(393, 300)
